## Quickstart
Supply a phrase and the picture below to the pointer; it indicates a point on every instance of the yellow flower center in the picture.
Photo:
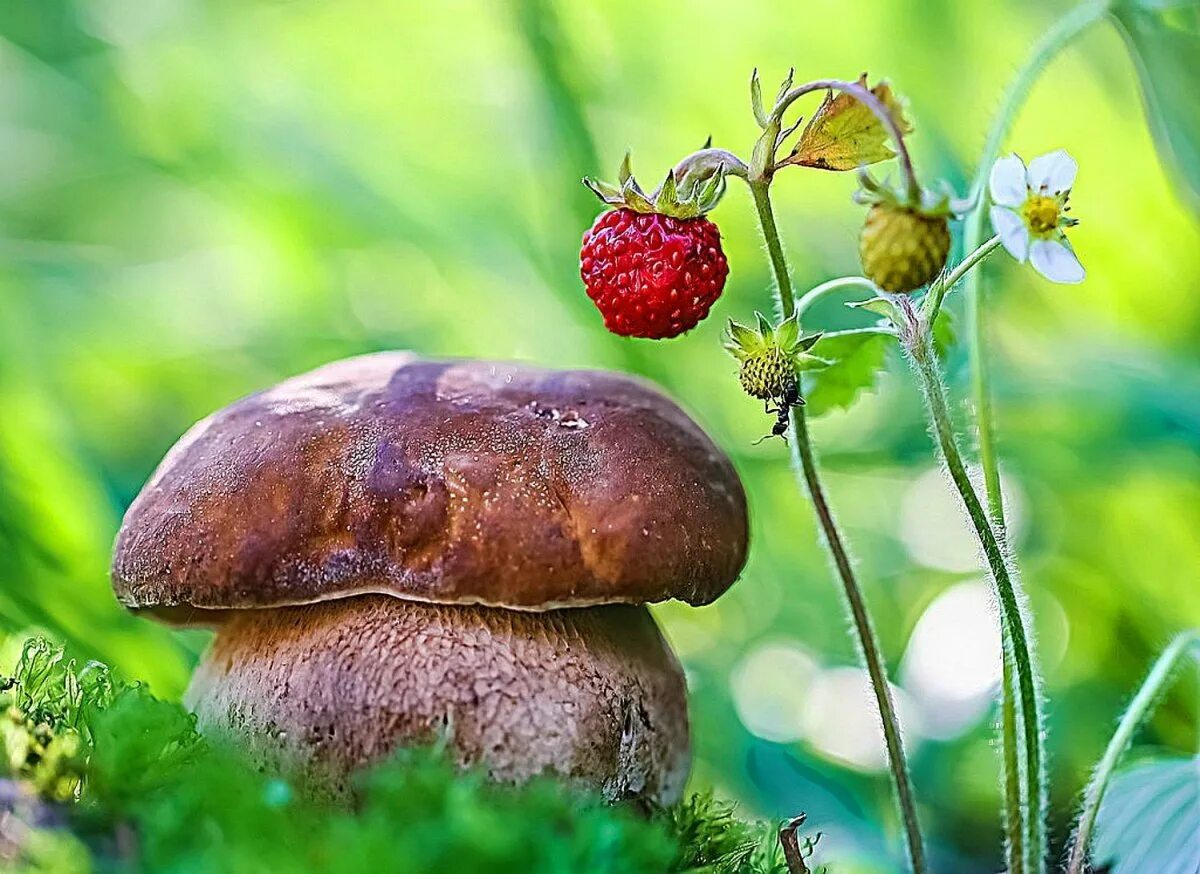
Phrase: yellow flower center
(1041, 212)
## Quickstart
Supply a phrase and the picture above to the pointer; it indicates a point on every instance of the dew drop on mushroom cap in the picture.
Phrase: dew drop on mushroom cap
(397, 551)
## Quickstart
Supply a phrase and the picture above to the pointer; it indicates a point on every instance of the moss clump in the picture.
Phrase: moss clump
(44, 731)
(123, 783)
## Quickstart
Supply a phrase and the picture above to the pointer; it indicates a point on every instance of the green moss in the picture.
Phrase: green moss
(44, 730)
(143, 792)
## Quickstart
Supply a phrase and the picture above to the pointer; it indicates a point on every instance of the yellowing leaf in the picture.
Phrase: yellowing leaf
(845, 134)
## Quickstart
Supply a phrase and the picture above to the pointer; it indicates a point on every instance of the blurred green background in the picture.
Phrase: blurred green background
(200, 199)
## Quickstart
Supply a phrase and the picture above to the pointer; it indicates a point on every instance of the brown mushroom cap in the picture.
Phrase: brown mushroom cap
(444, 481)
(593, 695)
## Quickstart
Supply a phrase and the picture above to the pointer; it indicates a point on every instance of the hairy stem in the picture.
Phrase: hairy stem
(1014, 775)
(981, 392)
(1051, 43)
(1139, 708)
(1063, 31)
(1013, 623)
(943, 285)
(817, 292)
(805, 461)
(710, 160)
(868, 642)
(1014, 821)
(770, 231)
(1066, 29)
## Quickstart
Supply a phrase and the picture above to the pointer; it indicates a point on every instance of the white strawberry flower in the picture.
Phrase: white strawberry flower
(1029, 213)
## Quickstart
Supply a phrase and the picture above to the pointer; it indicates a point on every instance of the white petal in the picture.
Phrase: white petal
(1008, 181)
(1053, 173)
(1013, 233)
(1055, 260)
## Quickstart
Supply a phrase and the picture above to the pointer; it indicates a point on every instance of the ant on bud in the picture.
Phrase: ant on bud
(782, 412)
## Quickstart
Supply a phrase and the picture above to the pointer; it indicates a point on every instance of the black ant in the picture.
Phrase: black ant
(782, 412)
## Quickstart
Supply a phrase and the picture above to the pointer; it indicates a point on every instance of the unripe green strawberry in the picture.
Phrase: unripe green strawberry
(769, 356)
(767, 373)
(903, 248)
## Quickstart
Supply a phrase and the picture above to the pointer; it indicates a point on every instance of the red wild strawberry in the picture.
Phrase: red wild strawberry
(653, 265)
(652, 275)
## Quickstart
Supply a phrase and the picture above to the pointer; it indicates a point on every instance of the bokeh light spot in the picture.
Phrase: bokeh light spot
(770, 689)
(842, 723)
(934, 529)
(953, 663)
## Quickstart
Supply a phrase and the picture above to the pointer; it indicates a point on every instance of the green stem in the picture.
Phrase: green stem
(878, 330)
(981, 394)
(766, 218)
(924, 362)
(1066, 29)
(1052, 42)
(1014, 816)
(1139, 708)
(1014, 825)
(815, 294)
(942, 287)
(713, 160)
(806, 463)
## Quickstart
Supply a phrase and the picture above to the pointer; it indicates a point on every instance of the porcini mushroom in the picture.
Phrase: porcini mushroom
(394, 550)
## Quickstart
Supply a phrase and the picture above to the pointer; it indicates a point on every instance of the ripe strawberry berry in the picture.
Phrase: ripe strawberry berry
(653, 265)
(652, 275)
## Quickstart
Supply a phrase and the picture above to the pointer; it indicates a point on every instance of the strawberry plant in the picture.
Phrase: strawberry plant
(908, 272)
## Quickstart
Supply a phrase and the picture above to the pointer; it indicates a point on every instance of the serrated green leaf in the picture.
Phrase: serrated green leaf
(756, 103)
(1150, 819)
(855, 360)
(1164, 41)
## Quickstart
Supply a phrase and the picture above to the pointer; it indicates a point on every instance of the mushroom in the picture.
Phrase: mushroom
(395, 550)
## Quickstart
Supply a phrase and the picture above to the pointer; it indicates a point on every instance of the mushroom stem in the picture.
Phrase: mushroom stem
(593, 695)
